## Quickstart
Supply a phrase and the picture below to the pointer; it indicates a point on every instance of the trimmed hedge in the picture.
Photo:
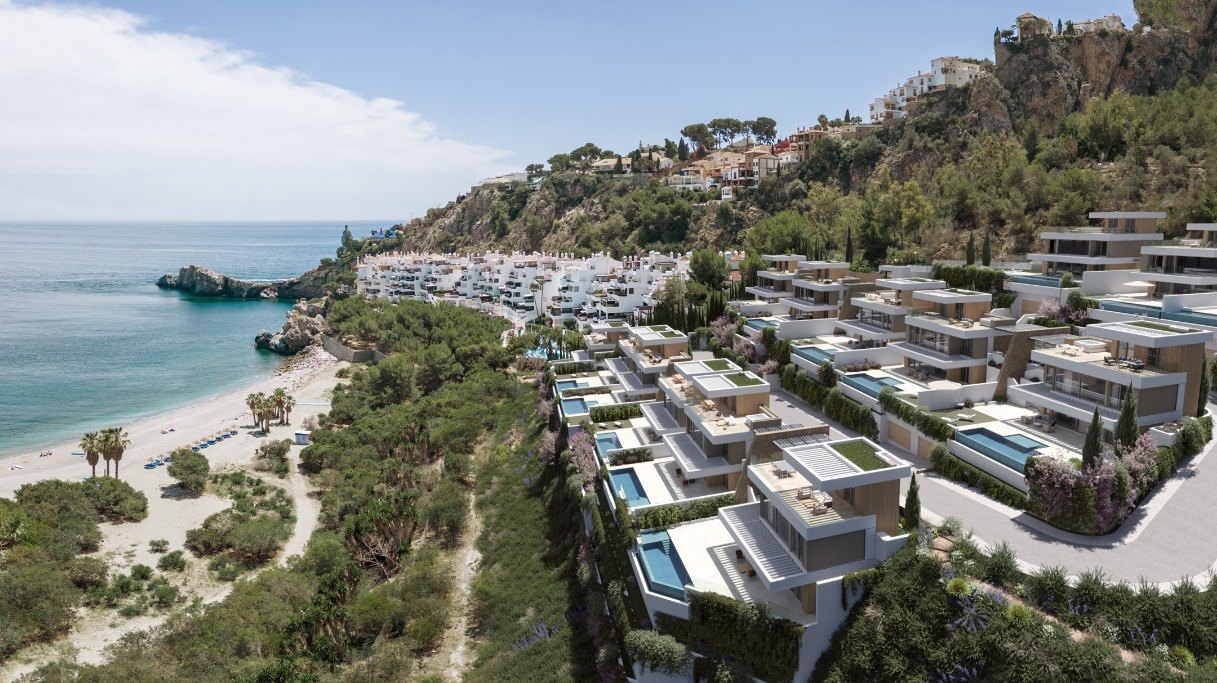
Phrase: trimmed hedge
(836, 405)
(585, 391)
(978, 278)
(571, 368)
(929, 424)
(615, 413)
(951, 467)
(767, 647)
(685, 511)
(629, 456)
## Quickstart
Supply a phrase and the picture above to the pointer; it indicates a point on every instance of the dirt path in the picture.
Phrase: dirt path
(308, 510)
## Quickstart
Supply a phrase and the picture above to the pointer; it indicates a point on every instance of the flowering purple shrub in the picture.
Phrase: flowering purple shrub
(587, 463)
(723, 330)
(767, 367)
(1141, 461)
(1051, 308)
(549, 446)
(743, 348)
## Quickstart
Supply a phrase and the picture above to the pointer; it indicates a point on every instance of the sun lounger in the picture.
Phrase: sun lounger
(966, 417)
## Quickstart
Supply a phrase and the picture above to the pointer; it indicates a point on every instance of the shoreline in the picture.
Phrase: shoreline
(192, 421)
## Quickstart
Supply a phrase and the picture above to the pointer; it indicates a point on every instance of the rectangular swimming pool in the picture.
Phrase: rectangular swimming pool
(1011, 450)
(1041, 280)
(815, 354)
(606, 442)
(574, 406)
(870, 385)
(760, 323)
(570, 384)
(626, 484)
(661, 563)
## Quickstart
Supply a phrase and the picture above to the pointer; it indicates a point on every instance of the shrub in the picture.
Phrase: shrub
(172, 562)
(675, 513)
(951, 467)
(658, 652)
(87, 572)
(1001, 566)
(165, 596)
(629, 456)
(159, 545)
(1191, 438)
(572, 367)
(116, 500)
(141, 572)
(615, 413)
(225, 567)
(723, 627)
(1048, 588)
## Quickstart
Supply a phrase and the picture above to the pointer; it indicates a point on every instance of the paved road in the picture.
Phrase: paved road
(1172, 535)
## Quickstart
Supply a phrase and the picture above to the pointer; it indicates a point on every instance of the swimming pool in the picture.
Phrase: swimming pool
(1011, 450)
(571, 384)
(574, 406)
(761, 323)
(607, 442)
(627, 485)
(661, 563)
(1041, 280)
(815, 354)
(870, 385)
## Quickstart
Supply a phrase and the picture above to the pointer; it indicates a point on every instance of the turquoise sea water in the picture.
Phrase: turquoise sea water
(88, 340)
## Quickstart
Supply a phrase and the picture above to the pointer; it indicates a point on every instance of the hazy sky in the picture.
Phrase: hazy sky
(277, 109)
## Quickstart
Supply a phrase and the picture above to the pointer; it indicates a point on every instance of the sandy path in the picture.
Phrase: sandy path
(467, 560)
(170, 514)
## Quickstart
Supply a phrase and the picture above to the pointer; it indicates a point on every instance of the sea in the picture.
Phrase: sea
(87, 339)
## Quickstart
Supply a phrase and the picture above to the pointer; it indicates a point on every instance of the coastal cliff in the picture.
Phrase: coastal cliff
(201, 281)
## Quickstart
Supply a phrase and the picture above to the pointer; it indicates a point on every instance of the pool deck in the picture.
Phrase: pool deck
(662, 485)
(708, 552)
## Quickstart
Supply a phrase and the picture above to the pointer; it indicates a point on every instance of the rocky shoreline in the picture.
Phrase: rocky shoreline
(304, 326)
(200, 281)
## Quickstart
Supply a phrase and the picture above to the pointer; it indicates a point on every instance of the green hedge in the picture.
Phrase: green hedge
(979, 278)
(586, 391)
(836, 405)
(629, 456)
(767, 647)
(615, 413)
(685, 511)
(951, 467)
(929, 424)
(572, 367)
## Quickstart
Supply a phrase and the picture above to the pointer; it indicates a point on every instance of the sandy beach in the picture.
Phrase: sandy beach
(309, 378)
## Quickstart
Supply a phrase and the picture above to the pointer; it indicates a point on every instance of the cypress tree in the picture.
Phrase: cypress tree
(912, 506)
(849, 244)
(828, 376)
(970, 252)
(986, 251)
(1126, 427)
(1203, 399)
(1092, 450)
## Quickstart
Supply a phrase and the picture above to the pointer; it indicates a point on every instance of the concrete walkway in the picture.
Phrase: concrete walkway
(1172, 535)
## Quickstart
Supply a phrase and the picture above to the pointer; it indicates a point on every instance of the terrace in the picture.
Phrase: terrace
(799, 497)
(694, 463)
(830, 466)
(663, 482)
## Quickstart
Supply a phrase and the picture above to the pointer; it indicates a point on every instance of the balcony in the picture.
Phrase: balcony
(934, 357)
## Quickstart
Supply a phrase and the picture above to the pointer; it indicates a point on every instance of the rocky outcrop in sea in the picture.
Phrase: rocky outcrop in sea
(201, 281)
(304, 326)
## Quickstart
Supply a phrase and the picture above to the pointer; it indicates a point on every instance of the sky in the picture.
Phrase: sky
(293, 110)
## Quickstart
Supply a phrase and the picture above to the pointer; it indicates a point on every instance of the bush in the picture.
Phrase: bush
(615, 413)
(572, 367)
(724, 628)
(1191, 438)
(116, 500)
(1048, 588)
(1001, 566)
(225, 567)
(951, 467)
(675, 513)
(141, 572)
(190, 469)
(172, 562)
(629, 456)
(87, 572)
(658, 652)
(165, 596)
(159, 545)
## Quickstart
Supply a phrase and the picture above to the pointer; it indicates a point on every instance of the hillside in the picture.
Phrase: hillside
(1054, 128)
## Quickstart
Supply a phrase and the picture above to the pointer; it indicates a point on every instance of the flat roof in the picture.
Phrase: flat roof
(730, 384)
(658, 334)
(1127, 214)
(1153, 333)
(692, 368)
(830, 469)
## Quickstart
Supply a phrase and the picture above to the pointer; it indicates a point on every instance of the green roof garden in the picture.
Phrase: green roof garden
(719, 364)
(739, 379)
(861, 454)
(1160, 327)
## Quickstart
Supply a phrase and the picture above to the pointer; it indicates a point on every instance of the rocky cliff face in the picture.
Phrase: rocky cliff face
(201, 281)
(304, 327)
(1046, 79)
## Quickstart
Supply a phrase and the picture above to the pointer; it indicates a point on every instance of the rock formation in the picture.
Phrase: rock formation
(201, 281)
(304, 326)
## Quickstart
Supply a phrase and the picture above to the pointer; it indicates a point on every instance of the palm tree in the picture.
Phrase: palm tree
(116, 442)
(251, 400)
(91, 445)
(288, 404)
(264, 409)
(278, 399)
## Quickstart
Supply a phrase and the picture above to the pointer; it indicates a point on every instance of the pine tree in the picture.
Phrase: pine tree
(912, 506)
(1126, 427)
(1092, 450)
(1203, 400)
(849, 244)
(682, 150)
(970, 253)
(986, 251)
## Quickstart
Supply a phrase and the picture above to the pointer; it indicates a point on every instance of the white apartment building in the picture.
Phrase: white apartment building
(945, 72)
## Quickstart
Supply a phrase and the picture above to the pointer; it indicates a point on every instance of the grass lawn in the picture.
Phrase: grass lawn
(861, 454)
(719, 364)
(1160, 327)
(742, 380)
